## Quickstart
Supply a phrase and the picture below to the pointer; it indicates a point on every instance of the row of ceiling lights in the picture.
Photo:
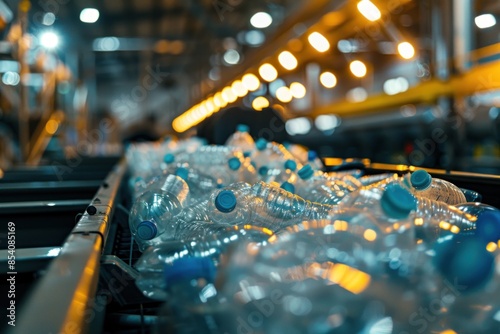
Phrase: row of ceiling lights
(268, 73)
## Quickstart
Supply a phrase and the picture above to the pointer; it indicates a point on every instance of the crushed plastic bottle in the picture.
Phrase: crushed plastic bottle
(153, 212)
(436, 189)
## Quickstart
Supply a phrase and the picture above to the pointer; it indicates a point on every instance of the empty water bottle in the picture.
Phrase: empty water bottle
(271, 155)
(157, 261)
(436, 189)
(242, 140)
(475, 209)
(468, 268)
(153, 212)
(232, 205)
(299, 152)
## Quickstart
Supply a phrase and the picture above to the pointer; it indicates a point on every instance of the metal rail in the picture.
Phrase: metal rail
(63, 300)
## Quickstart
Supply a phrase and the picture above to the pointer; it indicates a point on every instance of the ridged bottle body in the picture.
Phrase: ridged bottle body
(444, 191)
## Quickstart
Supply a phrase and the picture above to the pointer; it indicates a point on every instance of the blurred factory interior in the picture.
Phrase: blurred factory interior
(402, 82)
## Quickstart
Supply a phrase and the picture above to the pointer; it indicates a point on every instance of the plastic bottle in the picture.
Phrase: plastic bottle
(474, 208)
(316, 187)
(231, 205)
(436, 189)
(276, 208)
(473, 286)
(299, 152)
(271, 155)
(155, 261)
(393, 207)
(314, 160)
(435, 219)
(368, 180)
(241, 139)
(200, 185)
(471, 195)
(153, 212)
(280, 175)
(318, 272)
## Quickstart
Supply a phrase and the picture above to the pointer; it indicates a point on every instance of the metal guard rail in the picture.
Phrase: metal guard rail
(61, 301)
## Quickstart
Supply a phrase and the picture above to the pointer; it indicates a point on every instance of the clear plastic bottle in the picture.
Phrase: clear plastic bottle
(271, 155)
(153, 212)
(299, 152)
(316, 187)
(368, 180)
(475, 208)
(323, 277)
(155, 261)
(314, 160)
(232, 205)
(436, 189)
(276, 208)
(241, 139)
(435, 219)
(472, 284)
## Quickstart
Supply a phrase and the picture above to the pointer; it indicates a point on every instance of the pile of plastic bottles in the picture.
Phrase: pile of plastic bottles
(253, 237)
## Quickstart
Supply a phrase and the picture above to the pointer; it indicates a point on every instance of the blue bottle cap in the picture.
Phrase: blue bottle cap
(261, 144)
(420, 179)
(263, 170)
(306, 172)
(488, 226)
(247, 154)
(311, 155)
(220, 185)
(470, 265)
(182, 173)
(242, 128)
(169, 158)
(147, 230)
(288, 187)
(225, 201)
(397, 202)
(290, 164)
(188, 268)
(253, 164)
(234, 163)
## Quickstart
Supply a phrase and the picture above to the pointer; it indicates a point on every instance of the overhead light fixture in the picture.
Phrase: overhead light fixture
(406, 50)
(328, 79)
(298, 90)
(239, 89)
(326, 123)
(260, 103)
(231, 57)
(298, 126)
(89, 15)
(318, 41)
(48, 19)
(485, 21)
(284, 94)
(261, 20)
(287, 60)
(251, 82)
(228, 95)
(369, 10)
(49, 40)
(268, 72)
(358, 68)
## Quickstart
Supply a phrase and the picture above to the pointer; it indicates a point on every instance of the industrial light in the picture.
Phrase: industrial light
(298, 126)
(273, 86)
(318, 41)
(326, 122)
(218, 100)
(89, 15)
(357, 94)
(369, 10)
(11, 78)
(396, 86)
(406, 50)
(328, 79)
(358, 68)
(49, 40)
(268, 72)
(287, 60)
(209, 105)
(261, 20)
(231, 57)
(48, 19)
(228, 95)
(254, 37)
(485, 21)
(284, 94)
(251, 82)
(298, 90)
(239, 89)
(260, 103)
